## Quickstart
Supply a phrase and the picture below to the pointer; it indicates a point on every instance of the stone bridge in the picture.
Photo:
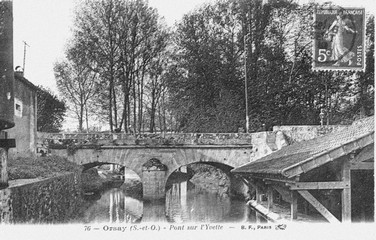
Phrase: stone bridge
(155, 156)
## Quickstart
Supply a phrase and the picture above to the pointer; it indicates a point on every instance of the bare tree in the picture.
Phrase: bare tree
(120, 39)
(76, 83)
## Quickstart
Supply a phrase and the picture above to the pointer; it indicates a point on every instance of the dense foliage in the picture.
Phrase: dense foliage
(273, 42)
(192, 79)
(50, 111)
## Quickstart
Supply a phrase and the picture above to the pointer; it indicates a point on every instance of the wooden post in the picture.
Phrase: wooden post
(258, 217)
(3, 168)
(346, 192)
(258, 194)
(294, 202)
(259, 201)
(294, 206)
(270, 198)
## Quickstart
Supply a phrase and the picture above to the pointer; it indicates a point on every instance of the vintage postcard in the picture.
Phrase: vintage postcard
(187, 119)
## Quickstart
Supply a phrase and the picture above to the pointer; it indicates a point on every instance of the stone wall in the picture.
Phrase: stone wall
(52, 200)
(304, 133)
(153, 180)
(144, 139)
(25, 118)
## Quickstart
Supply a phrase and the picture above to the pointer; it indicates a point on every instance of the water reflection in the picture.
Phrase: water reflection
(187, 203)
(114, 207)
(154, 211)
(184, 203)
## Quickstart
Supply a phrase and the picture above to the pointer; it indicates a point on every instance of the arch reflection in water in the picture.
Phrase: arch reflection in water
(187, 203)
(114, 207)
(184, 202)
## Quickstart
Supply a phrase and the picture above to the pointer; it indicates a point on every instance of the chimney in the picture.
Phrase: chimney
(18, 72)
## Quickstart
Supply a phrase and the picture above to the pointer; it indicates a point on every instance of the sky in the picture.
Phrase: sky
(45, 25)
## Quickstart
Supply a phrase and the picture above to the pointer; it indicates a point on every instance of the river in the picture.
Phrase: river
(184, 202)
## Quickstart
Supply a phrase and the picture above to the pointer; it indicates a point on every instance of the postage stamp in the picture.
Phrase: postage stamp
(339, 42)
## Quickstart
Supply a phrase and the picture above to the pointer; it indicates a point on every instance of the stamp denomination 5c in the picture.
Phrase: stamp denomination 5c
(339, 42)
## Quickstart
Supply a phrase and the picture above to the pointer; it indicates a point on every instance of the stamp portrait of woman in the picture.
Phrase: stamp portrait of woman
(340, 26)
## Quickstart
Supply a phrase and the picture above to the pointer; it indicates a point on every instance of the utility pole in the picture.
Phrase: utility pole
(24, 58)
(246, 36)
(246, 85)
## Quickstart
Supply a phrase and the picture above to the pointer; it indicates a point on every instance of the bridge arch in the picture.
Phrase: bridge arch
(223, 167)
(237, 187)
(87, 166)
(93, 164)
(172, 158)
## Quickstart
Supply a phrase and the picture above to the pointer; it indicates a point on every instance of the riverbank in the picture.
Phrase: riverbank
(48, 189)
(23, 170)
(55, 199)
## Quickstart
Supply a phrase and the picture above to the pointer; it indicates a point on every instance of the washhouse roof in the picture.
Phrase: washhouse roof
(304, 156)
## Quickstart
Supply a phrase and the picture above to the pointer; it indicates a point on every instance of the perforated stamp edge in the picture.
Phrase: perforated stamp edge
(337, 68)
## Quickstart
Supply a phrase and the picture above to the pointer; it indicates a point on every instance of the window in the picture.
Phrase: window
(17, 107)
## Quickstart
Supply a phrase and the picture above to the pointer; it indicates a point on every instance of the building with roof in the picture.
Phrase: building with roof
(328, 178)
(25, 118)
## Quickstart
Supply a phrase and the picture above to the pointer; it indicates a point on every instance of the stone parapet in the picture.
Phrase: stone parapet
(147, 138)
(303, 133)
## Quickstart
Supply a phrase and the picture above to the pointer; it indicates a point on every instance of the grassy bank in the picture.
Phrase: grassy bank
(51, 166)
(41, 167)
